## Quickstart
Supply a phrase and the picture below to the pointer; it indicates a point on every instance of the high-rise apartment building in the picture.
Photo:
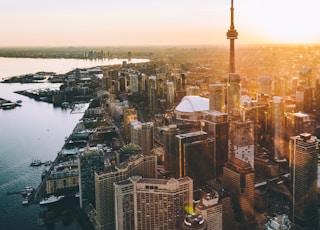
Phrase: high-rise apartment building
(152, 203)
(143, 135)
(152, 94)
(278, 128)
(196, 156)
(304, 150)
(129, 115)
(169, 94)
(124, 204)
(89, 162)
(143, 165)
(134, 82)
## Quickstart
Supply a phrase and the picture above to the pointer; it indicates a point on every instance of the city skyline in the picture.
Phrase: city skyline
(104, 23)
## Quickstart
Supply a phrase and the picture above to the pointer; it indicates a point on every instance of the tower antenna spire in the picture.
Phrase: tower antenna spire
(232, 34)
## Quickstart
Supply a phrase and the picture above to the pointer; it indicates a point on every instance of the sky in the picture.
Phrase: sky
(156, 22)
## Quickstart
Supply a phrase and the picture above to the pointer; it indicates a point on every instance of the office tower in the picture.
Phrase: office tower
(217, 97)
(89, 162)
(238, 177)
(279, 87)
(169, 94)
(144, 166)
(122, 84)
(278, 128)
(134, 83)
(196, 156)
(171, 158)
(241, 141)
(143, 135)
(152, 94)
(304, 99)
(317, 96)
(194, 221)
(305, 76)
(233, 96)
(216, 125)
(297, 123)
(265, 85)
(210, 207)
(129, 115)
(304, 151)
(145, 203)
(193, 91)
(183, 81)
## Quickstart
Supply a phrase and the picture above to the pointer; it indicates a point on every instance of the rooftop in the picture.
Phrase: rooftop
(190, 104)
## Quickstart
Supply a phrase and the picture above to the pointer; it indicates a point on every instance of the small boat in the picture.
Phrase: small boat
(36, 163)
(47, 163)
(50, 200)
(25, 201)
(27, 190)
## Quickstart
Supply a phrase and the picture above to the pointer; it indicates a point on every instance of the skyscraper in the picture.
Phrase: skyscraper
(143, 165)
(241, 137)
(278, 127)
(152, 94)
(217, 97)
(216, 125)
(169, 89)
(153, 203)
(89, 162)
(196, 156)
(304, 151)
(238, 177)
(129, 115)
(171, 158)
(142, 135)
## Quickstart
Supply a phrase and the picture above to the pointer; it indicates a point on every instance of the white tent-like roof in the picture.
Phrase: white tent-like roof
(191, 104)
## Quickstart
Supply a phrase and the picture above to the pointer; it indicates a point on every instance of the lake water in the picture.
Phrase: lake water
(34, 130)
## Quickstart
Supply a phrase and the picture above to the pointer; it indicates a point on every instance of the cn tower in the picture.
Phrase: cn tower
(232, 34)
(233, 89)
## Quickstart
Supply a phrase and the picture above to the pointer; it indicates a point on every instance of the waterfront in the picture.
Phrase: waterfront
(10, 67)
(34, 130)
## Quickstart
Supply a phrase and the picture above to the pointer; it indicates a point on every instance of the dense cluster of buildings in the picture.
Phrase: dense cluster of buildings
(161, 150)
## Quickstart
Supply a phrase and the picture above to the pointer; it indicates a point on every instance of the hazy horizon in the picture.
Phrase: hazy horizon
(83, 23)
